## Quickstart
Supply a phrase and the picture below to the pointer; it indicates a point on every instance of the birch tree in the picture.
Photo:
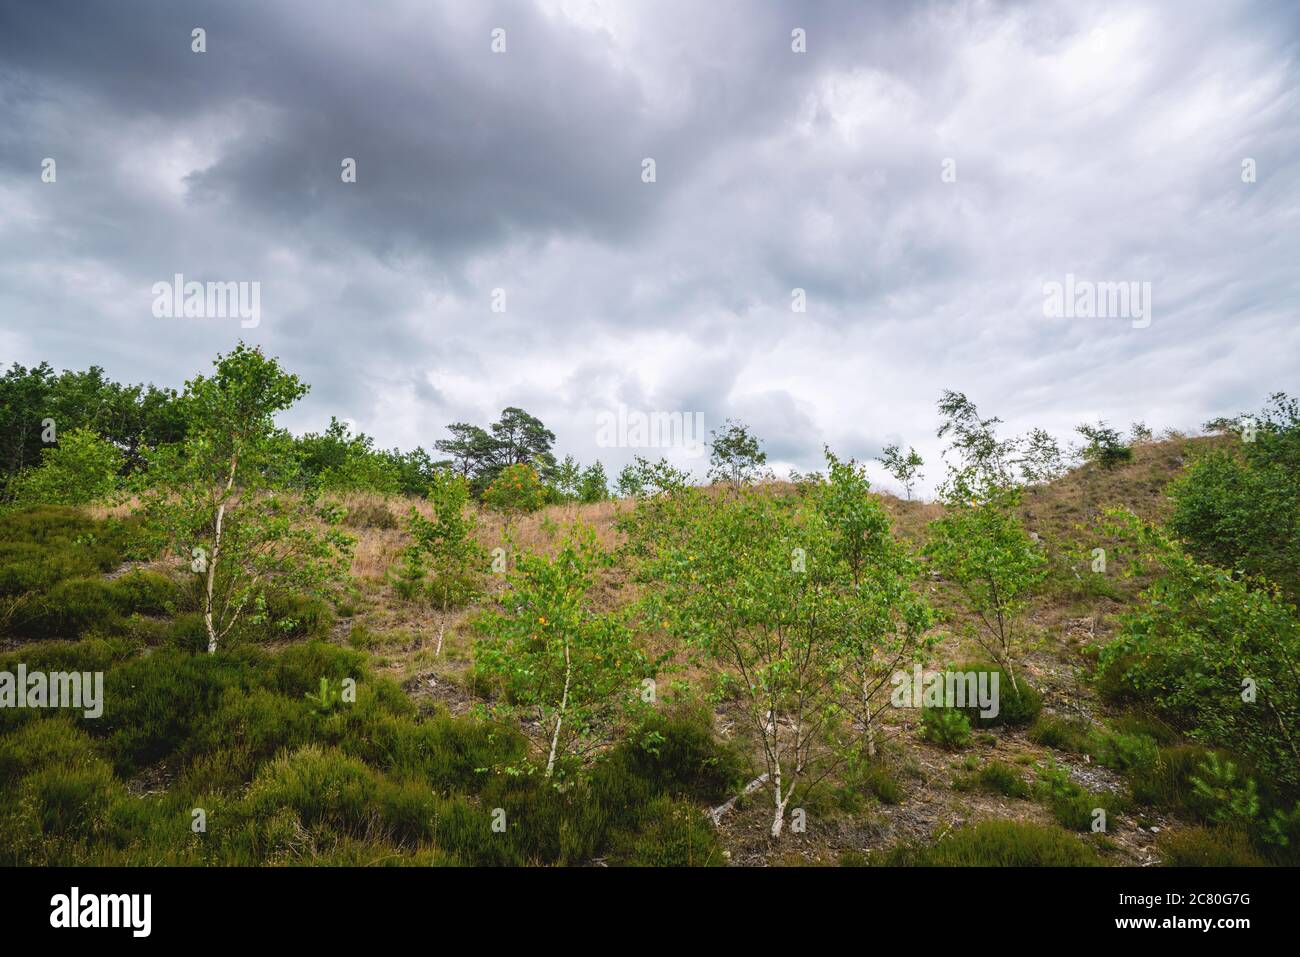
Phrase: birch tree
(890, 618)
(223, 498)
(754, 589)
(982, 548)
(906, 467)
(566, 671)
(445, 547)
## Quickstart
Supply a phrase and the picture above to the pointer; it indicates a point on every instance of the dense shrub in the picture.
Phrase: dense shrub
(1018, 702)
(80, 469)
(994, 844)
(146, 593)
(151, 705)
(947, 727)
(444, 752)
(996, 777)
(71, 608)
(1063, 734)
(1133, 753)
(54, 742)
(288, 615)
(1071, 805)
(1211, 655)
(246, 729)
(298, 669)
(320, 786)
(54, 790)
(672, 834)
(1239, 507)
(1207, 847)
(1104, 446)
(677, 753)
(1167, 783)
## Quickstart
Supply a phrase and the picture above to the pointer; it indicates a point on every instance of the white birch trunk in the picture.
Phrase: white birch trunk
(212, 565)
(778, 820)
(559, 718)
(212, 574)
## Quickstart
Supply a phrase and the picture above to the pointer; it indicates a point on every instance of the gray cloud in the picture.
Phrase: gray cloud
(1105, 142)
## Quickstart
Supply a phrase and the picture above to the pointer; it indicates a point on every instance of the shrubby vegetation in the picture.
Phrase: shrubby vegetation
(80, 469)
(1238, 507)
(800, 607)
(1214, 655)
(444, 548)
(730, 649)
(569, 667)
(220, 496)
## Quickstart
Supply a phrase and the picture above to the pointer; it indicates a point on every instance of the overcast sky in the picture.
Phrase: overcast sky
(921, 171)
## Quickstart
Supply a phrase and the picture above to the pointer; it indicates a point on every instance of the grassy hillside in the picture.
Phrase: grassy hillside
(260, 754)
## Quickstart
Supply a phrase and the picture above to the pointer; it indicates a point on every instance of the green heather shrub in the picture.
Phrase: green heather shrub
(321, 786)
(299, 669)
(1167, 783)
(61, 527)
(1063, 734)
(868, 777)
(40, 549)
(995, 844)
(91, 654)
(365, 782)
(187, 633)
(677, 753)
(947, 727)
(1135, 753)
(53, 742)
(54, 790)
(152, 704)
(74, 606)
(444, 752)
(246, 729)
(70, 608)
(1145, 724)
(146, 593)
(1018, 703)
(1071, 805)
(995, 777)
(67, 802)
(1207, 847)
(672, 834)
